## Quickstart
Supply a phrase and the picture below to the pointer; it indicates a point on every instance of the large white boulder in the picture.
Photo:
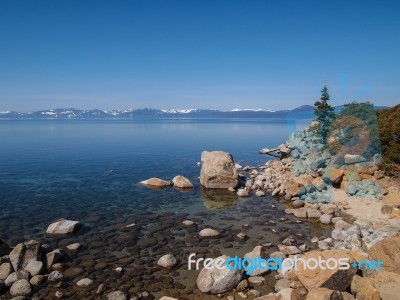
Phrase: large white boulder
(63, 228)
(217, 280)
(218, 170)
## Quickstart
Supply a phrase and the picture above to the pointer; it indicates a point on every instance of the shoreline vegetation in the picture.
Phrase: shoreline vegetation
(345, 182)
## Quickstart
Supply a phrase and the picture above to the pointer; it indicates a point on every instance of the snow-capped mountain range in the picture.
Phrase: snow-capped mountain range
(73, 113)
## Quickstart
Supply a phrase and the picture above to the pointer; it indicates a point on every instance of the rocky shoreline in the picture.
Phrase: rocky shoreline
(320, 188)
(353, 199)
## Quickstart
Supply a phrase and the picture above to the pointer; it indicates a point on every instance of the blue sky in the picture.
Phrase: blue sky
(196, 54)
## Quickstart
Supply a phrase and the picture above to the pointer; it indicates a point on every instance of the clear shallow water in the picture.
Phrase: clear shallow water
(89, 171)
(69, 163)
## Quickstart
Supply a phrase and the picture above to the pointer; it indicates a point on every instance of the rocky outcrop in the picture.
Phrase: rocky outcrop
(363, 288)
(333, 176)
(387, 251)
(324, 294)
(376, 285)
(390, 202)
(24, 253)
(63, 228)
(386, 283)
(325, 278)
(218, 170)
(218, 280)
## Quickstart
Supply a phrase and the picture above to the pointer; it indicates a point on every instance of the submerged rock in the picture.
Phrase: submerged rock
(167, 261)
(218, 170)
(73, 247)
(63, 228)
(117, 295)
(55, 276)
(209, 232)
(188, 223)
(156, 183)
(54, 257)
(217, 280)
(85, 283)
(242, 193)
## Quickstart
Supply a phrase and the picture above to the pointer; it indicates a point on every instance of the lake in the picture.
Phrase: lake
(90, 171)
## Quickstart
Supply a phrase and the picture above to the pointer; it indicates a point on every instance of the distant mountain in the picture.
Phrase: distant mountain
(302, 112)
(72, 113)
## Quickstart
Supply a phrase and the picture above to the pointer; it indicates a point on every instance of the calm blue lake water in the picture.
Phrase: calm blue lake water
(61, 163)
(90, 170)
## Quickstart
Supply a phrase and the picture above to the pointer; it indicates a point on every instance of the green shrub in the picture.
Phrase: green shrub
(389, 130)
(355, 131)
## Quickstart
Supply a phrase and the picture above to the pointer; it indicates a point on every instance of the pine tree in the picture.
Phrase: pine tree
(325, 113)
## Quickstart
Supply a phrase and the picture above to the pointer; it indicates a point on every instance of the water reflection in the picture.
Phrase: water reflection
(218, 199)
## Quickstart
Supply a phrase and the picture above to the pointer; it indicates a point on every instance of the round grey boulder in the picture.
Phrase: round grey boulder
(325, 219)
(208, 232)
(217, 278)
(34, 267)
(55, 276)
(38, 280)
(242, 193)
(21, 288)
(167, 261)
(117, 295)
(85, 283)
(63, 228)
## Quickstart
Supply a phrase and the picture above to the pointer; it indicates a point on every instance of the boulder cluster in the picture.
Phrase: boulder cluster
(306, 176)
(358, 281)
(30, 265)
(309, 171)
(178, 181)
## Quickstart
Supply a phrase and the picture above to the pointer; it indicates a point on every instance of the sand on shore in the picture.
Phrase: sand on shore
(359, 207)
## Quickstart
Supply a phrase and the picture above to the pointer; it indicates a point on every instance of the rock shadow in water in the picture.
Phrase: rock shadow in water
(218, 199)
